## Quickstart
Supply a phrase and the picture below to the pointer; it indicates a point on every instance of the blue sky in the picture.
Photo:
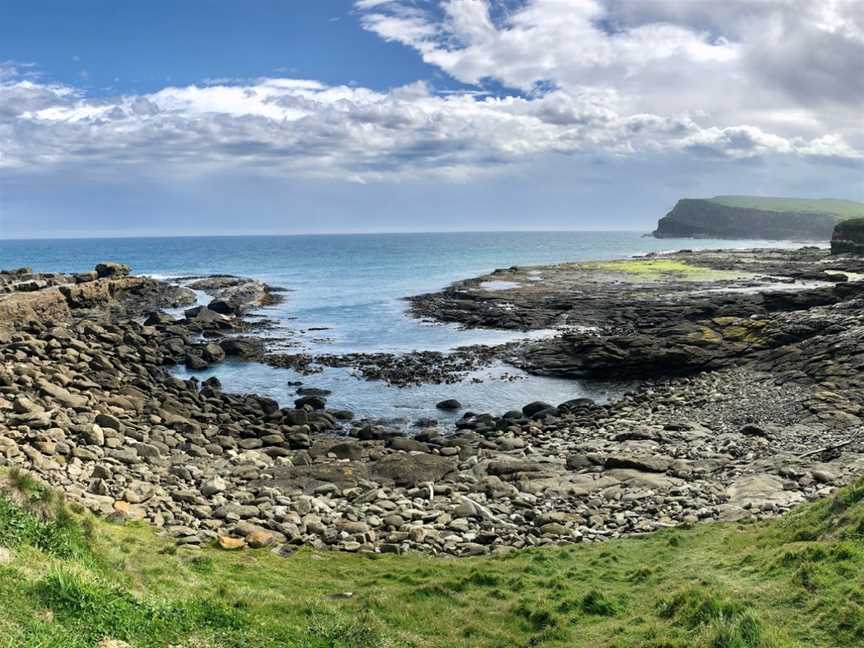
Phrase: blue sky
(132, 47)
(211, 117)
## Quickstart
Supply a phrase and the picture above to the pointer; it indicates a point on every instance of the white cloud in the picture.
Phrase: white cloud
(586, 78)
(307, 128)
(724, 61)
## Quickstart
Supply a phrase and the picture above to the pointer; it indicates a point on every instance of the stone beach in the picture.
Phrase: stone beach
(751, 401)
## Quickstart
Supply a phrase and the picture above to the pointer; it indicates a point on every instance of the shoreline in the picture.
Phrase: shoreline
(721, 429)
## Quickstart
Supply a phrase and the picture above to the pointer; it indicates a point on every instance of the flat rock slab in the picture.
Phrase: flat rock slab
(412, 469)
(753, 492)
(308, 478)
(638, 479)
(642, 463)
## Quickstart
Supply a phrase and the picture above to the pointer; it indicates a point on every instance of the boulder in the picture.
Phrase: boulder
(213, 353)
(534, 408)
(195, 362)
(62, 395)
(260, 538)
(158, 318)
(203, 315)
(213, 486)
(111, 269)
(315, 402)
(138, 491)
(408, 445)
(351, 451)
(848, 237)
(231, 544)
(248, 348)
(110, 422)
(223, 307)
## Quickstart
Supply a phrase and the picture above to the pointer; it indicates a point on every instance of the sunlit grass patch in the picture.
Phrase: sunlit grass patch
(659, 269)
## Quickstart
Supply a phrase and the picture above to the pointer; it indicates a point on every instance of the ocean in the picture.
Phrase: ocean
(345, 294)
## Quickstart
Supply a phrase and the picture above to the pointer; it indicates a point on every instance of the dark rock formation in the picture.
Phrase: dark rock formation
(111, 269)
(848, 237)
(697, 218)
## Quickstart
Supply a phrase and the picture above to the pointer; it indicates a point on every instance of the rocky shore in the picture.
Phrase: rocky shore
(751, 403)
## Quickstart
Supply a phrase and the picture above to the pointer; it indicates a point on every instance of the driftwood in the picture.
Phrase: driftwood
(836, 446)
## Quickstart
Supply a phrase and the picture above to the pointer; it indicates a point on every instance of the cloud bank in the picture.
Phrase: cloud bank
(571, 77)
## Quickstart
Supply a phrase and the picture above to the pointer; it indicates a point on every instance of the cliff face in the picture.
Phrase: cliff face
(697, 218)
(848, 237)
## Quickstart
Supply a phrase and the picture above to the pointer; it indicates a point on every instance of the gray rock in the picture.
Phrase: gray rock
(213, 486)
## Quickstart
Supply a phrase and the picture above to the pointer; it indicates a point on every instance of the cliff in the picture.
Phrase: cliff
(848, 237)
(750, 217)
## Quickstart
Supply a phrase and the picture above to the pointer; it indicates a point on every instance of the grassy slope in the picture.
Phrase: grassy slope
(839, 208)
(797, 581)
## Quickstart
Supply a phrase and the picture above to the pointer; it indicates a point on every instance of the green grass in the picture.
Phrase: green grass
(795, 581)
(660, 270)
(840, 208)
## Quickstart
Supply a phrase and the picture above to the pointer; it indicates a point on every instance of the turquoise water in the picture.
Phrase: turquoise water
(349, 290)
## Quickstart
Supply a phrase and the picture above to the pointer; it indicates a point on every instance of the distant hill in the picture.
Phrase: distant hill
(844, 208)
(756, 217)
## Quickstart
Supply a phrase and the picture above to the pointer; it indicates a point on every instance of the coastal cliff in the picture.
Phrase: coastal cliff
(746, 217)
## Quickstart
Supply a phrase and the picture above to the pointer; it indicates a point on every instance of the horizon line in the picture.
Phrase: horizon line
(551, 229)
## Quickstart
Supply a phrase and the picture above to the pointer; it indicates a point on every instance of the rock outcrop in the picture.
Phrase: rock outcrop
(848, 237)
(27, 296)
(709, 218)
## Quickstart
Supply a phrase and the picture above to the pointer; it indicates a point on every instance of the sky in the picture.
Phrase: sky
(284, 116)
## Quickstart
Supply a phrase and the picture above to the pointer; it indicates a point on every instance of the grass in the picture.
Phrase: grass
(840, 208)
(660, 270)
(795, 581)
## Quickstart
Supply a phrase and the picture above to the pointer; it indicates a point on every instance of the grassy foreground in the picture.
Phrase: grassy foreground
(69, 581)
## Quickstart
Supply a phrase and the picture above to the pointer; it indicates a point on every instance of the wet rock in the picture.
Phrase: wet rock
(247, 348)
(536, 407)
(313, 402)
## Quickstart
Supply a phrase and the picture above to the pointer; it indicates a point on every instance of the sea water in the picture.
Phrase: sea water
(345, 294)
